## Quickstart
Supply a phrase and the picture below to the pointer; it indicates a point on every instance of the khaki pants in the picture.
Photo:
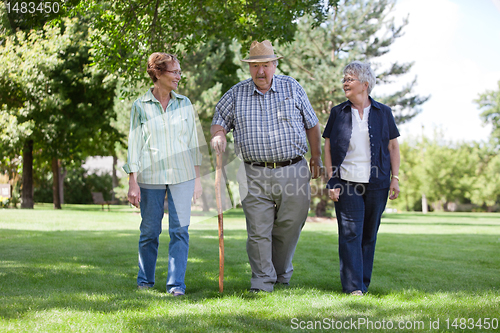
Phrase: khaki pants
(276, 206)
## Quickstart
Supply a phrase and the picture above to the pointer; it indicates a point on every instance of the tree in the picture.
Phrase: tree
(354, 30)
(128, 31)
(448, 171)
(489, 102)
(65, 105)
(450, 174)
(409, 174)
(483, 186)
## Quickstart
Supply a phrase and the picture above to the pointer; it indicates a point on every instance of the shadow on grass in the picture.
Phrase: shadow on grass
(233, 213)
(443, 219)
(441, 216)
(352, 315)
(96, 271)
(442, 224)
(114, 208)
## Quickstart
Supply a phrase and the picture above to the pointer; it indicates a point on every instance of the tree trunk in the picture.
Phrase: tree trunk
(114, 178)
(204, 201)
(424, 204)
(55, 184)
(27, 191)
(62, 175)
(320, 210)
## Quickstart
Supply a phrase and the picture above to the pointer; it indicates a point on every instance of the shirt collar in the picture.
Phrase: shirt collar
(148, 96)
(255, 89)
(374, 104)
(176, 95)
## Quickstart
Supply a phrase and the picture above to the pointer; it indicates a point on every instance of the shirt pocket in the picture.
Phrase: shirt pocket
(177, 125)
(289, 115)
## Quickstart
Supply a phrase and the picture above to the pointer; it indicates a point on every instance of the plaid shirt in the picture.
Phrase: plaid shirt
(267, 127)
(162, 145)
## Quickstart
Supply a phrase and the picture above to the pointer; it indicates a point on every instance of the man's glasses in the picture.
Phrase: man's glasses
(348, 80)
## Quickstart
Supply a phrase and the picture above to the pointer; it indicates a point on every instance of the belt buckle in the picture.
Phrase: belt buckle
(271, 165)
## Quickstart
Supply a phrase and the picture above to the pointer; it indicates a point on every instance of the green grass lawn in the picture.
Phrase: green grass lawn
(74, 270)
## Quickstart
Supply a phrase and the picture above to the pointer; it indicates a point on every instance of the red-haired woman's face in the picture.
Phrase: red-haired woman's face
(169, 79)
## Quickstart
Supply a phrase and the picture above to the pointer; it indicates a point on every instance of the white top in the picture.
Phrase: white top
(356, 164)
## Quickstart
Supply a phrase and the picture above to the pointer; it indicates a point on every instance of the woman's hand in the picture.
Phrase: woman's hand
(197, 189)
(394, 189)
(134, 191)
(334, 194)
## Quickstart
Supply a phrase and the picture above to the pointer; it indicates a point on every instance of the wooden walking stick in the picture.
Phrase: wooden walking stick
(218, 172)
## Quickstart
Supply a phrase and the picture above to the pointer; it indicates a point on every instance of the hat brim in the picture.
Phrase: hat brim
(252, 59)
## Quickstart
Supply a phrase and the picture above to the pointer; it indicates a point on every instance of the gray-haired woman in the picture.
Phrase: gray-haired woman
(362, 160)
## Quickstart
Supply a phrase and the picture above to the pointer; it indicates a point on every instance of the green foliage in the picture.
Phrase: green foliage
(58, 100)
(5, 27)
(443, 168)
(485, 187)
(11, 136)
(489, 102)
(448, 174)
(51, 94)
(409, 174)
(127, 32)
(78, 186)
(28, 15)
(202, 68)
(354, 30)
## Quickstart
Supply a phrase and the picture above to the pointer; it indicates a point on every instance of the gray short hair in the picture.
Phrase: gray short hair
(363, 72)
(274, 62)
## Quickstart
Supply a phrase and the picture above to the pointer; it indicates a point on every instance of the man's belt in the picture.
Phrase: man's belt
(274, 165)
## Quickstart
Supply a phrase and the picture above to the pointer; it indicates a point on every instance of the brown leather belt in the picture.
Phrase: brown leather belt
(274, 165)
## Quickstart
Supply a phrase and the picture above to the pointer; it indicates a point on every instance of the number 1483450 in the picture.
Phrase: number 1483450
(31, 7)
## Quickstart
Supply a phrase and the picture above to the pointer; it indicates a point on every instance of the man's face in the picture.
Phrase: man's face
(262, 74)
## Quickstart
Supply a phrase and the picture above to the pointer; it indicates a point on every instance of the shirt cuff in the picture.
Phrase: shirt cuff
(333, 183)
(130, 168)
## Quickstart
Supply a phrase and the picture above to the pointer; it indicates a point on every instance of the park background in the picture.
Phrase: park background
(68, 76)
(68, 80)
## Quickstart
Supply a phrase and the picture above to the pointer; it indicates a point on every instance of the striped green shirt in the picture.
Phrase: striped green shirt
(163, 145)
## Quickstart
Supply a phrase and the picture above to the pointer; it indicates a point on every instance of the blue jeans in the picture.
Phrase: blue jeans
(358, 216)
(179, 212)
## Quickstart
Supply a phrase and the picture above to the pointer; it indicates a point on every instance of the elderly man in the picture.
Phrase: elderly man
(272, 120)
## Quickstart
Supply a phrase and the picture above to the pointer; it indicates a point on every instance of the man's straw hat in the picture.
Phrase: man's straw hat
(261, 52)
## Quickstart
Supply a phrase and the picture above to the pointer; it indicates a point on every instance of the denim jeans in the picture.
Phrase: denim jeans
(179, 212)
(358, 216)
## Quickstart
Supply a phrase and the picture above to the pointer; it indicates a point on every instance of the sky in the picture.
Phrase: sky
(455, 45)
